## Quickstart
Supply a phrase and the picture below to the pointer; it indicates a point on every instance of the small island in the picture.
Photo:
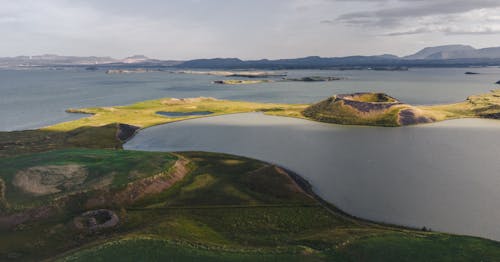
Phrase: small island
(130, 71)
(314, 79)
(240, 82)
(247, 74)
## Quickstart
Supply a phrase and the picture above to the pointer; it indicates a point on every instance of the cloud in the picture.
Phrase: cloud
(409, 32)
(447, 31)
(413, 10)
(414, 17)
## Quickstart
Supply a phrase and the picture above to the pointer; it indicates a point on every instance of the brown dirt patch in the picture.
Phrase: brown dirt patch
(44, 180)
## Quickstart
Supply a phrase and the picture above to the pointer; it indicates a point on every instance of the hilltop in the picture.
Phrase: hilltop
(378, 109)
(455, 52)
(366, 108)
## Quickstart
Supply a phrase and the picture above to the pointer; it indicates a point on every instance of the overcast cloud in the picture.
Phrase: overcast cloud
(250, 29)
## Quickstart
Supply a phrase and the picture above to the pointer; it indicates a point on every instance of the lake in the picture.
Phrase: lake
(444, 176)
(36, 98)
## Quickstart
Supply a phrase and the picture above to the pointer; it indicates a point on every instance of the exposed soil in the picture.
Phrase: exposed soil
(44, 180)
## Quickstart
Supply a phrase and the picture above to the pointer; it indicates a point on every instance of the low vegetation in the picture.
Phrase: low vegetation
(29, 141)
(225, 208)
(144, 114)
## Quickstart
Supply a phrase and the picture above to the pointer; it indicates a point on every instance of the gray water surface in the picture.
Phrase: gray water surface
(37, 98)
(445, 176)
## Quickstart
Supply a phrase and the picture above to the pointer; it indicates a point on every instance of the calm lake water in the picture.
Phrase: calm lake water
(445, 176)
(36, 98)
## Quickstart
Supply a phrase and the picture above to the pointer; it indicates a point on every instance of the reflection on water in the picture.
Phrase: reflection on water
(445, 176)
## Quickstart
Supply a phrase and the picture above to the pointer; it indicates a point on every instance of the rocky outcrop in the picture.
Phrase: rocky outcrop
(126, 132)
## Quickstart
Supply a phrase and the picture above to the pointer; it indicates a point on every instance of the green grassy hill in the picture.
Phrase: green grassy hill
(222, 208)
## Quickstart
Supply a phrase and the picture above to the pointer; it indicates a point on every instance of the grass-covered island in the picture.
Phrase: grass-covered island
(69, 192)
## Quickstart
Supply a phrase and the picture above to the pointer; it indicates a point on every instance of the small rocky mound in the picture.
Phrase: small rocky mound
(498, 83)
(96, 219)
(376, 109)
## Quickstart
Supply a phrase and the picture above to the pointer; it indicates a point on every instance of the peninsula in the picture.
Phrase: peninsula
(373, 109)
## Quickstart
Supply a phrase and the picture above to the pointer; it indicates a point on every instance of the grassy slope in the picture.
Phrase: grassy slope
(340, 113)
(29, 141)
(117, 167)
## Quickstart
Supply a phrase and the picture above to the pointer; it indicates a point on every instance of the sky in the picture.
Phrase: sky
(247, 29)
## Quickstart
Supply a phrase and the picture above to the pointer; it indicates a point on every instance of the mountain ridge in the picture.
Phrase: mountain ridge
(437, 56)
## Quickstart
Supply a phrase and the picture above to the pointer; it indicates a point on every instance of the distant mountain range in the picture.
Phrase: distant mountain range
(455, 52)
(57, 60)
(439, 56)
